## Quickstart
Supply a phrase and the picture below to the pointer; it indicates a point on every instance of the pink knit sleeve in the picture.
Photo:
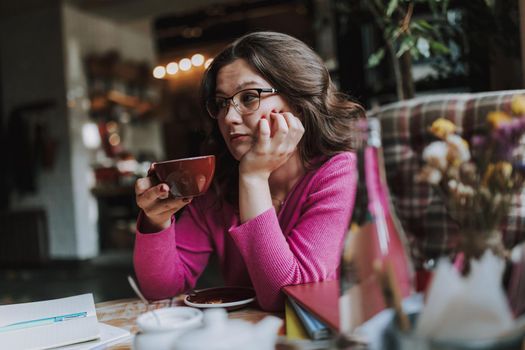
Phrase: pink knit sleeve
(169, 262)
(311, 251)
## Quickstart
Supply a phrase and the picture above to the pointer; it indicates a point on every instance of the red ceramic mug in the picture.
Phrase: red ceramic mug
(186, 177)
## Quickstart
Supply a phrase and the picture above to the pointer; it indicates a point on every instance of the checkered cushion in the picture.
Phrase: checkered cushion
(430, 230)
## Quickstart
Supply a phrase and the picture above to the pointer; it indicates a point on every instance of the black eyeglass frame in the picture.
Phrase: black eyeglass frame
(232, 102)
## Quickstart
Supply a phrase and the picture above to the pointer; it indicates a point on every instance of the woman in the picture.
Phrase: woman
(285, 180)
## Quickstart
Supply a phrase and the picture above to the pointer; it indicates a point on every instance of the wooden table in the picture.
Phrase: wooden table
(123, 313)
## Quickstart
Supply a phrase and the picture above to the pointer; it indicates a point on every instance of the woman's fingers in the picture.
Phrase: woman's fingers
(277, 139)
(289, 131)
(158, 215)
(282, 127)
(280, 133)
(156, 203)
(145, 197)
(264, 129)
(142, 185)
(296, 128)
(264, 138)
(166, 206)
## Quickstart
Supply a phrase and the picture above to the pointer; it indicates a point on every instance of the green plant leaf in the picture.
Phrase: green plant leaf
(392, 5)
(392, 33)
(376, 58)
(490, 3)
(407, 43)
(416, 29)
(423, 24)
(415, 53)
(439, 47)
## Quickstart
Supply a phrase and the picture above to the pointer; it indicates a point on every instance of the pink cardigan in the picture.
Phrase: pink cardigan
(300, 244)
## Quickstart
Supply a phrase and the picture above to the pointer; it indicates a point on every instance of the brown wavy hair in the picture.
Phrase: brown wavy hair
(301, 78)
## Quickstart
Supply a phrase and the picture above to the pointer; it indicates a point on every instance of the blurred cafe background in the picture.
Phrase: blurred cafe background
(93, 91)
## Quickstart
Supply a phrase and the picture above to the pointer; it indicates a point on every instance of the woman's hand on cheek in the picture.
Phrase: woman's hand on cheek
(295, 131)
(276, 141)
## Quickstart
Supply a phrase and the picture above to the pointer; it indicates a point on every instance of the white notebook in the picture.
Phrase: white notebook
(109, 335)
(48, 324)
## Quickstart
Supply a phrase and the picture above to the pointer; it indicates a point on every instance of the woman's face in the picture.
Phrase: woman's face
(240, 130)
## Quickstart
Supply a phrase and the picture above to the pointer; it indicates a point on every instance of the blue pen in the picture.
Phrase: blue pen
(42, 321)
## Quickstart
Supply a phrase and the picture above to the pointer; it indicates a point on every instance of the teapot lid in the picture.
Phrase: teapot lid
(217, 332)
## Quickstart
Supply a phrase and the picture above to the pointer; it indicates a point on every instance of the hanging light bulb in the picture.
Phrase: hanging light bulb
(197, 60)
(185, 64)
(172, 68)
(159, 72)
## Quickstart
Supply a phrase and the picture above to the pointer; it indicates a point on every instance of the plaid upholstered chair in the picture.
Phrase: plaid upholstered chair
(430, 231)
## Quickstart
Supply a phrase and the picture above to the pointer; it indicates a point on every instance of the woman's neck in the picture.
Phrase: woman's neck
(283, 179)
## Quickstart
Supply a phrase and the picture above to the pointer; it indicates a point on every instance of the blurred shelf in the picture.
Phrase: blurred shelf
(112, 190)
(102, 103)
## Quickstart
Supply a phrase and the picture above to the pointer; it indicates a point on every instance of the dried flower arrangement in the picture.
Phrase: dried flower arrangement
(478, 177)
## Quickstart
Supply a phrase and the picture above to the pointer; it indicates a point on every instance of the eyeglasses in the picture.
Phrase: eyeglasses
(244, 102)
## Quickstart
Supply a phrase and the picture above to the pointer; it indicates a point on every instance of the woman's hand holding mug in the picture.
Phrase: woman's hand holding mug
(156, 204)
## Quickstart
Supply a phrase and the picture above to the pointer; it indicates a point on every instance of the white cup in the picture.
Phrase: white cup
(161, 332)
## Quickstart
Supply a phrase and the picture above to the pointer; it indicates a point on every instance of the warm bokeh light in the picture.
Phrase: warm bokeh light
(172, 68)
(159, 72)
(208, 62)
(196, 32)
(114, 140)
(90, 136)
(111, 126)
(185, 64)
(197, 60)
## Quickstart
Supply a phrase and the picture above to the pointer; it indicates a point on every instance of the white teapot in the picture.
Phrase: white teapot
(220, 333)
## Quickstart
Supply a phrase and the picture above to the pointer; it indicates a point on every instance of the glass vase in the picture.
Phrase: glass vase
(474, 242)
